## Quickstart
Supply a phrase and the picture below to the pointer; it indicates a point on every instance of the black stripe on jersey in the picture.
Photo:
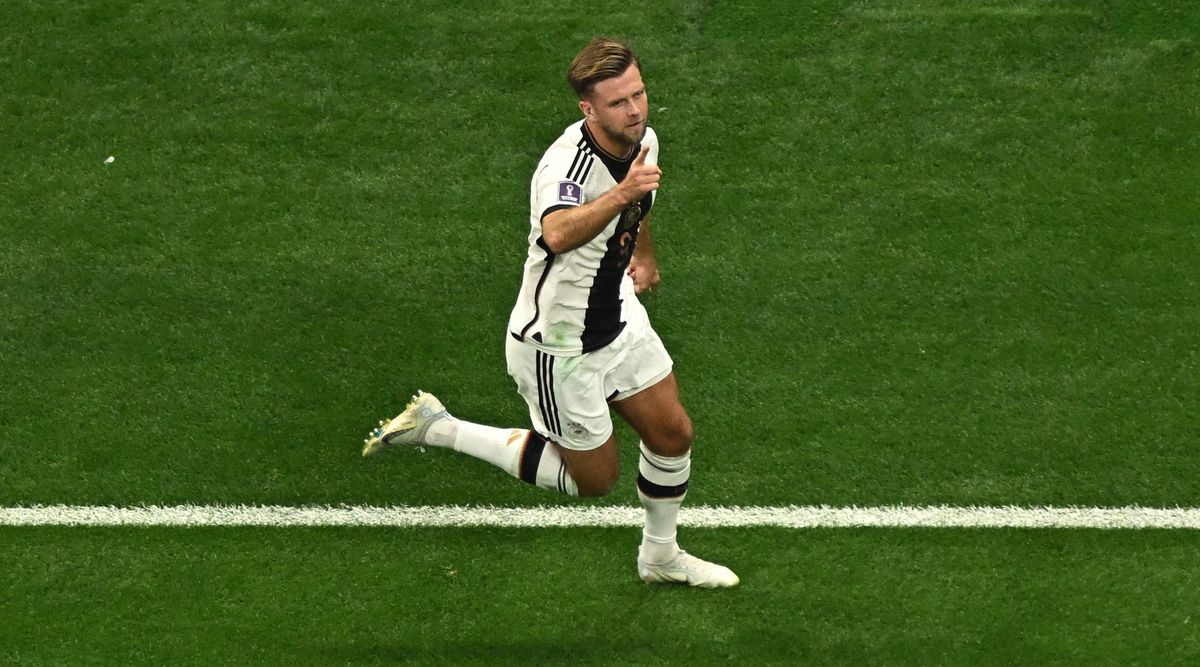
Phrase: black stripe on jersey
(578, 155)
(602, 321)
(586, 170)
(537, 292)
(556, 207)
(584, 165)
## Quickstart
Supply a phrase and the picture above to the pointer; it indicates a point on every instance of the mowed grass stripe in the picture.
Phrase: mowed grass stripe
(567, 517)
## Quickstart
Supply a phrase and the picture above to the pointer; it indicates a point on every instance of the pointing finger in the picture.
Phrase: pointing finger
(641, 158)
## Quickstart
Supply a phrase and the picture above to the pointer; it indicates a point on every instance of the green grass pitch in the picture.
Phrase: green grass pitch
(913, 252)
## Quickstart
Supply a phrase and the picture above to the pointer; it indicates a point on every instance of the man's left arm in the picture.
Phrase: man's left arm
(643, 266)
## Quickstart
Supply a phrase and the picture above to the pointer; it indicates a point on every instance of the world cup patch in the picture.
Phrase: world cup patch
(568, 192)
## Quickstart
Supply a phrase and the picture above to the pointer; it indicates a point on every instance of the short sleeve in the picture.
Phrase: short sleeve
(552, 189)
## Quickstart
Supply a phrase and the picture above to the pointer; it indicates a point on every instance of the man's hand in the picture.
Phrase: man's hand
(640, 179)
(567, 229)
(644, 273)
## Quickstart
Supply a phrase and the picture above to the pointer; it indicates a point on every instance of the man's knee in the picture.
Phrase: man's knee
(674, 438)
(595, 471)
(598, 482)
(684, 435)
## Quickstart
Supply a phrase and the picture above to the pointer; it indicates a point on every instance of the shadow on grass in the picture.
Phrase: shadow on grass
(480, 650)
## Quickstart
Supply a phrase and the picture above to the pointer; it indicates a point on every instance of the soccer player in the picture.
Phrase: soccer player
(579, 342)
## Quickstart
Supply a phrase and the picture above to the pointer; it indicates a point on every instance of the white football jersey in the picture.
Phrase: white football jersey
(580, 300)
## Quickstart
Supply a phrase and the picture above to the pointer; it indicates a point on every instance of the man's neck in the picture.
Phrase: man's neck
(615, 149)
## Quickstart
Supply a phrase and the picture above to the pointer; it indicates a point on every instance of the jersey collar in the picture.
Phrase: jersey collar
(615, 165)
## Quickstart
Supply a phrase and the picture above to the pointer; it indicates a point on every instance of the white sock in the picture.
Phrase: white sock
(542, 466)
(518, 452)
(662, 486)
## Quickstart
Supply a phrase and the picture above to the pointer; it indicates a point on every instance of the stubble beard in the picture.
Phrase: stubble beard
(625, 138)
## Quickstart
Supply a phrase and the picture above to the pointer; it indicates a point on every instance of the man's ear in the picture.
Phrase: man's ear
(586, 107)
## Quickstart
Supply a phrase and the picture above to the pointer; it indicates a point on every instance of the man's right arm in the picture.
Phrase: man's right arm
(569, 228)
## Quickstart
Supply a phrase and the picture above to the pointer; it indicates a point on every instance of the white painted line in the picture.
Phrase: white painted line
(576, 516)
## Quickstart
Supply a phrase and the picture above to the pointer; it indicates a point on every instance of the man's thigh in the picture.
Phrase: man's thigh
(659, 417)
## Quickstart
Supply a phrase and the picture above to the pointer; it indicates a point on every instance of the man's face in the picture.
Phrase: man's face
(619, 106)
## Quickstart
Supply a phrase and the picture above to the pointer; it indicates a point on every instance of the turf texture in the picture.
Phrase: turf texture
(931, 252)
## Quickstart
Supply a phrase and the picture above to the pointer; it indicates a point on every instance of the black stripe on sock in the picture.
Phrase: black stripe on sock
(531, 457)
(658, 491)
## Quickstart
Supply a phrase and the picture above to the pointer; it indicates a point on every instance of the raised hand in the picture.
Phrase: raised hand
(642, 178)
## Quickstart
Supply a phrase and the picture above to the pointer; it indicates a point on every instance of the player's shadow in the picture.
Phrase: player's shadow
(495, 650)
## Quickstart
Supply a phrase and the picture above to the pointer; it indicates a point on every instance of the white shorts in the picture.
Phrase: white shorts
(568, 396)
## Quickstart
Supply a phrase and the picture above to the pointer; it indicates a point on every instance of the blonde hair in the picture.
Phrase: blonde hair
(602, 58)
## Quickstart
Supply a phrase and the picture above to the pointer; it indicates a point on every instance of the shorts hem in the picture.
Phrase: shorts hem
(637, 390)
(575, 447)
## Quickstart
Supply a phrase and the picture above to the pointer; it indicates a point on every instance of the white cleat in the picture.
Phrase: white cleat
(689, 570)
(409, 427)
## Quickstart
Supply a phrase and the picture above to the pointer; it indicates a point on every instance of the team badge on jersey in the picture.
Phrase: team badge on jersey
(569, 192)
(631, 215)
